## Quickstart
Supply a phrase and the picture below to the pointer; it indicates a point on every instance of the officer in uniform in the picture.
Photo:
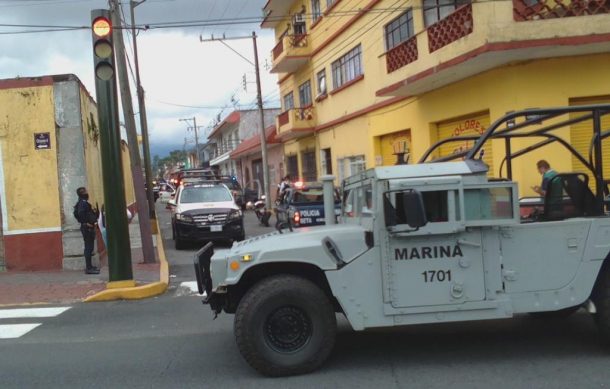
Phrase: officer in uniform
(88, 220)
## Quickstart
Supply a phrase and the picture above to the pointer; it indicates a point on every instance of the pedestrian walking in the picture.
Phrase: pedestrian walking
(87, 217)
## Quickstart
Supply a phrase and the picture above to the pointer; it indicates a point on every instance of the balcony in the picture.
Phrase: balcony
(401, 55)
(290, 53)
(295, 123)
(486, 35)
(551, 9)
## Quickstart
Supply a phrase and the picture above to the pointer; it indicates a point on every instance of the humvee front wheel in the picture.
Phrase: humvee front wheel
(285, 325)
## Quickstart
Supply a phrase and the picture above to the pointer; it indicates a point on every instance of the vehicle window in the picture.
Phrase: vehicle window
(204, 195)
(488, 203)
(358, 202)
(436, 206)
(308, 196)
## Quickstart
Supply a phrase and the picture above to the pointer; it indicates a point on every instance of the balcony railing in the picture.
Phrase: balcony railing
(525, 10)
(278, 49)
(453, 27)
(402, 55)
(296, 119)
(293, 41)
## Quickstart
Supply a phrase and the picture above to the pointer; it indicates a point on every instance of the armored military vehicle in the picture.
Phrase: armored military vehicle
(433, 242)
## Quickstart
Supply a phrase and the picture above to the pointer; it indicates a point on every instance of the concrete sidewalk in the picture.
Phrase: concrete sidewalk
(19, 288)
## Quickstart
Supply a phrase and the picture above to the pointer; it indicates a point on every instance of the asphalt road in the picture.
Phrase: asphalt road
(173, 342)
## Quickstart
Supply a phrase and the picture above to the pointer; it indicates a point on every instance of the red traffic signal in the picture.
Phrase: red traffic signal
(102, 27)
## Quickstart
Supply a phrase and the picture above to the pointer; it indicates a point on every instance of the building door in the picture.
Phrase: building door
(393, 144)
(471, 125)
(581, 135)
(257, 170)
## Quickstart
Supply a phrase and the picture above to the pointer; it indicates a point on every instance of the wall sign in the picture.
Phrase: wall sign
(42, 141)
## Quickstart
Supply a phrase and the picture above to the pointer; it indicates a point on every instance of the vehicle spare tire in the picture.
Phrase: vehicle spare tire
(285, 325)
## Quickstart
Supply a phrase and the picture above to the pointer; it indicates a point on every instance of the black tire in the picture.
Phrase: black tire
(281, 304)
(601, 298)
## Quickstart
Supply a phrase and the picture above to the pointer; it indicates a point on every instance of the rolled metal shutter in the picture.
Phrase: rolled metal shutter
(474, 125)
(388, 144)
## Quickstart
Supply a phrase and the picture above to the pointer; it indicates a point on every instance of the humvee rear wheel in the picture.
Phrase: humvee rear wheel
(601, 298)
(285, 325)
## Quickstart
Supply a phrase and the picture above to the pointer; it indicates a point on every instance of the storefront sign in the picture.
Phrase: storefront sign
(42, 141)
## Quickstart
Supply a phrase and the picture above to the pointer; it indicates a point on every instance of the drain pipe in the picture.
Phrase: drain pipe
(329, 199)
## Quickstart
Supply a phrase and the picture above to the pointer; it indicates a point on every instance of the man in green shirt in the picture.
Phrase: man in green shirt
(547, 175)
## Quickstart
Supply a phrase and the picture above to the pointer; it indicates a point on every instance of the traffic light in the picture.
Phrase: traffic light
(103, 49)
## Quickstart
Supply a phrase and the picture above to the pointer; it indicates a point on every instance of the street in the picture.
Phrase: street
(173, 341)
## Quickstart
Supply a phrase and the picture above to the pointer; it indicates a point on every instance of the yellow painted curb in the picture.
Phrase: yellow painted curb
(120, 284)
(138, 292)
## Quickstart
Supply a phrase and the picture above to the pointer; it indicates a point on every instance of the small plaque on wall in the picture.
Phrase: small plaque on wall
(42, 141)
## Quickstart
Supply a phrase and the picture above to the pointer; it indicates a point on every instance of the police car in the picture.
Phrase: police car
(203, 212)
(303, 205)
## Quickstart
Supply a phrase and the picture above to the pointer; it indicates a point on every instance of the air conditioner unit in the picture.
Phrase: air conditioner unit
(299, 19)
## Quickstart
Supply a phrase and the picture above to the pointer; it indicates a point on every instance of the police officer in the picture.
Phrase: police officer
(88, 219)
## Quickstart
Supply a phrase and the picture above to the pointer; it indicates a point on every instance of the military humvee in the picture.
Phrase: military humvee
(438, 241)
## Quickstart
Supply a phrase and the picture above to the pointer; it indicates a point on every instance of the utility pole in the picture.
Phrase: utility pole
(132, 137)
(143, 120)
(261, 110)
(262, 119)
(194, 119)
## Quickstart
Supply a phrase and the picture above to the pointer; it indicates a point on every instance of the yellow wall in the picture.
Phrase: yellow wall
(30, 176)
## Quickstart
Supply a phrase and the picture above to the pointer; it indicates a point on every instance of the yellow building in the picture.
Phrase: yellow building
(49, 146)
(363, 80)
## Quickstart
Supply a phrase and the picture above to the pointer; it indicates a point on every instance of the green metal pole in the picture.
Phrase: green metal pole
(118, 248)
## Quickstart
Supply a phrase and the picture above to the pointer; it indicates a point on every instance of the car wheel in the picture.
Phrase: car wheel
(285, 325)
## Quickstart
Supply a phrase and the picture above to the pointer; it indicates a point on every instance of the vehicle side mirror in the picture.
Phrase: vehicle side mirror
(413, 209)
(172, 202)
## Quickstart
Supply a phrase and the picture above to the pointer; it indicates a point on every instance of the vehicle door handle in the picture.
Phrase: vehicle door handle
(462, 242)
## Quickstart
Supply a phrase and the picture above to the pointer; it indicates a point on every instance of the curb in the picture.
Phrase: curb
(143, 291)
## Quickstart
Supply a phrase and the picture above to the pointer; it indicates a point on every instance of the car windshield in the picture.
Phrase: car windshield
(200, 194)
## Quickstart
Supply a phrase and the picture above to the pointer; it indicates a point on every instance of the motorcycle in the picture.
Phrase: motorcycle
(261, 212)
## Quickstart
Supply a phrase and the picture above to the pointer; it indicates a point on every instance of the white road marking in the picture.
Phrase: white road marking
(12, 331)
(189, 289)
(32, 312)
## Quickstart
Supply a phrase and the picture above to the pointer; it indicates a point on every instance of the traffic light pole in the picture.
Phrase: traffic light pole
(118, 248)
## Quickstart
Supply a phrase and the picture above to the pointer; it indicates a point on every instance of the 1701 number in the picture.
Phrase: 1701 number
(437, 275)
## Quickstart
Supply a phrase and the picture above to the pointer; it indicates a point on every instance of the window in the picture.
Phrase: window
(399, 30)
(326, 161)
(292, 167)
(309, 166)
(316, 12)
(358, 202)
(435, 10)
(298, 22)
(321, 76)
(347, 67)
(305, 94)
(350, 166)
(288, 101)
(488, 203)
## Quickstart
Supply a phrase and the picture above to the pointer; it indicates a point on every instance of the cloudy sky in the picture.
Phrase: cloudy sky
(182, 76)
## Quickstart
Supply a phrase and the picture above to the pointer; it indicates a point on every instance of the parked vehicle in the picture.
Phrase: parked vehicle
(203, 212)
(303, 206)
(166, 192)
(435, 242)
